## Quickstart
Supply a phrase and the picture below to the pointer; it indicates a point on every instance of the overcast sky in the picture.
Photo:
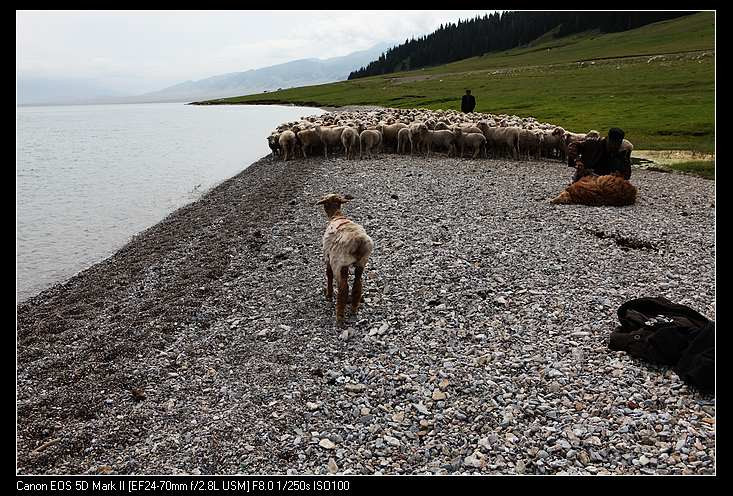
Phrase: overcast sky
(139, 51)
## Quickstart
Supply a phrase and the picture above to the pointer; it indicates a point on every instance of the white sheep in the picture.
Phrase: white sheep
(308, 138)
(477, 142)
(330, 136)
(349, 139)
(389, 133)
(442, 138)
(417, 130)
(369, 139)
(403, 139)
(287, 143)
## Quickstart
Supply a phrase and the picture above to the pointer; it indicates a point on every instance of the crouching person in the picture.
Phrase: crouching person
(609, 155)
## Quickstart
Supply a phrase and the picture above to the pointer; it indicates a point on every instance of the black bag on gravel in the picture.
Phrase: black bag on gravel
(657, 330)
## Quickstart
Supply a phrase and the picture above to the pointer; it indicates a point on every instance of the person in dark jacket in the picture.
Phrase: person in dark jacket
(468, 102)
(600, 156)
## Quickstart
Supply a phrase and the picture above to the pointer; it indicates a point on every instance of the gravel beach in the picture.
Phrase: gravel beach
(206, 345)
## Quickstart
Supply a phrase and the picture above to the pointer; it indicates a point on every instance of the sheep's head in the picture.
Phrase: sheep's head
(332, 202)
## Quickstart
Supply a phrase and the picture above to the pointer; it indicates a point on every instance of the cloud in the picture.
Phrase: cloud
(145, 51)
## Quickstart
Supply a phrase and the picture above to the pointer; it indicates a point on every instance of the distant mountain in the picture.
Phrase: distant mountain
(40, 91)
(303, 72)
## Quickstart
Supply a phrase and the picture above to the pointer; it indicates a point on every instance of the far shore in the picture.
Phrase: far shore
(327, 108)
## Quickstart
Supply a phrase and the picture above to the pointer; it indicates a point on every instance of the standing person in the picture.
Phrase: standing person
(468, 102)
(600, 156)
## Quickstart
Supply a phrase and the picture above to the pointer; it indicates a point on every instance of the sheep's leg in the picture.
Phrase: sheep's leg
(329, 281)
(343, 294)
(305, 155)
(356, 289)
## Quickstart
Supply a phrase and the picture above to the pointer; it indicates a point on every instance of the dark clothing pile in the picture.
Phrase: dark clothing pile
(659, 331)
(468, 103)
(596, 158)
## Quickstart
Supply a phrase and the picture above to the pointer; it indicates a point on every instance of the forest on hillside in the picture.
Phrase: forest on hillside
(500, 31)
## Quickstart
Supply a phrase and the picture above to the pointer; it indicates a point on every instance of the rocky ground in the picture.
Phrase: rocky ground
(206, 345)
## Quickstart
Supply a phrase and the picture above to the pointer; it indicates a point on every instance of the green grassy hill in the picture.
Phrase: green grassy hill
(581, 82)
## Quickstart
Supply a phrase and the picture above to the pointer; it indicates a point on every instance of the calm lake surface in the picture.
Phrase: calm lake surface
(89, 177)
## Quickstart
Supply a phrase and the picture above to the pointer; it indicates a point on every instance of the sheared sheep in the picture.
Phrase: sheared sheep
(345, 243)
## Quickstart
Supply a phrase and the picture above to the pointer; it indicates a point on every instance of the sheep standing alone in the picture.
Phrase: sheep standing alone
(345, 243)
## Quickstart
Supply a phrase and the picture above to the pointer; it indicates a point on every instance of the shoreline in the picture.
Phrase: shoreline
(327, 108)
(216, 316)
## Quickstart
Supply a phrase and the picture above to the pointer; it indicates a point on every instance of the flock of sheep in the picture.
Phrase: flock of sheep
(424, 131)
(346, 243)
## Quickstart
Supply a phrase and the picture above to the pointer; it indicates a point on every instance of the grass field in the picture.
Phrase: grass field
(702, 168)
(581, 82)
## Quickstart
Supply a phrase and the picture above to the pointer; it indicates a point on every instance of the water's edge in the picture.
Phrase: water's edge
(204, 196)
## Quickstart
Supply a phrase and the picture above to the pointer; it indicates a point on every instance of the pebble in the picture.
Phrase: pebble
(327, 444)
(355, 388)
(438, 395)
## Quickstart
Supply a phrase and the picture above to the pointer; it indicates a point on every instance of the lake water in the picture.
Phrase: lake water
(89, 177)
